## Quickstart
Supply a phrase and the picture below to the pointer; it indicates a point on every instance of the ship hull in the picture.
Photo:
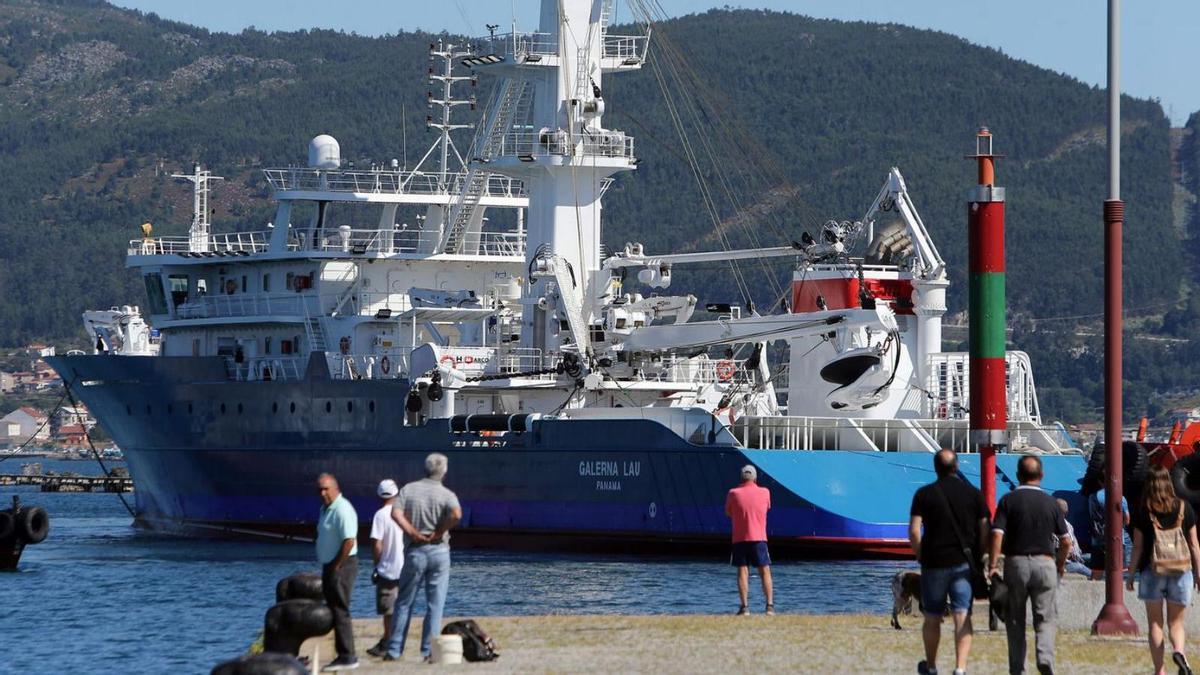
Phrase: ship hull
(212, 456)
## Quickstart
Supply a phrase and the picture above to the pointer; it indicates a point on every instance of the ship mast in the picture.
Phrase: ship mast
(565, 158)
(443, 74)
(199, 232)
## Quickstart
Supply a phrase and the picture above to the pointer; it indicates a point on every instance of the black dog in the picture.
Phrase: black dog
(905, 586)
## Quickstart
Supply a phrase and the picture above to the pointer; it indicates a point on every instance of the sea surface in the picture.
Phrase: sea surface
(100, 596)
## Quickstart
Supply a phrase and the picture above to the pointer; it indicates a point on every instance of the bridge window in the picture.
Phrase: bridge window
(371, 406)
(222, 408)
(349, 406)
(154, 293)
(328, 406)
(239, 408)
(293, 407)
(179, 289)
(266, 283)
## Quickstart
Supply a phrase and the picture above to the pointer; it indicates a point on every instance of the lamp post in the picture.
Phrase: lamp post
(1114, 618)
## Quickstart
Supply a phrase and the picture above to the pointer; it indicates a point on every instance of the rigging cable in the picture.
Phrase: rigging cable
(95, 453)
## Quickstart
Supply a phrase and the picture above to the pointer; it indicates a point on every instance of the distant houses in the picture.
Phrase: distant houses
(33, 375)
(23, 423)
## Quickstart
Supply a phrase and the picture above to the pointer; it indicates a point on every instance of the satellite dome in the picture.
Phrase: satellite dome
(324, 152)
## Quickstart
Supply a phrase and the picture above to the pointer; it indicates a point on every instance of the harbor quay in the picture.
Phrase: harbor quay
(836, 643)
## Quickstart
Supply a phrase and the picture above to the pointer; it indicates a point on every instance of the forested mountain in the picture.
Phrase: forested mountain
(99, 104)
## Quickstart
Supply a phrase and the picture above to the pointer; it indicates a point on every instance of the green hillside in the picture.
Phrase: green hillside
(97, 104)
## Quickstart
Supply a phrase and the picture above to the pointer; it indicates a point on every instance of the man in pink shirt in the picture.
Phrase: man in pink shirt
(747, 506)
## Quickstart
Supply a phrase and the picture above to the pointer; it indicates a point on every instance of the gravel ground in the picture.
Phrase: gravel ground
(699, 643)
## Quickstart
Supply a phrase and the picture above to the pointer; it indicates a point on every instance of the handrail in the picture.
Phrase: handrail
(384, 181)
(839, 433)
(608, 143)
(217, 245)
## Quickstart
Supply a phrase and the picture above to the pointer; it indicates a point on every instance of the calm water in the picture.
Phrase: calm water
(98, 595)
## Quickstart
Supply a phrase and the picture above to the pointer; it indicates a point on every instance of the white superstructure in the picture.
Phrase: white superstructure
(478, 281)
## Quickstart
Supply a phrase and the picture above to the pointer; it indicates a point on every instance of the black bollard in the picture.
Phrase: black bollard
(267, 663)
(302, 585)
(289, 623)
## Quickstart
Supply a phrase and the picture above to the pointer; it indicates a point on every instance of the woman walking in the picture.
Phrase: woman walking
(1168, 561)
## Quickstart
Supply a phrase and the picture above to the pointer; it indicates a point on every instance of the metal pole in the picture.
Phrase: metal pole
(1114, 617)
(985, 244)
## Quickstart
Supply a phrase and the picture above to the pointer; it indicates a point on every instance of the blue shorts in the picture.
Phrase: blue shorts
(1174, 588)
(750, 554)
(939, 582)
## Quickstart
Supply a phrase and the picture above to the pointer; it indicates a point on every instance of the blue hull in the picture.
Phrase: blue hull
(206, 454)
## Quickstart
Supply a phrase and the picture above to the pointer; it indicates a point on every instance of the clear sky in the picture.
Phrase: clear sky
(1068, 36)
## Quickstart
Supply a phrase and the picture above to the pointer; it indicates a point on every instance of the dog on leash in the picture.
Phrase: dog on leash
(906, 586)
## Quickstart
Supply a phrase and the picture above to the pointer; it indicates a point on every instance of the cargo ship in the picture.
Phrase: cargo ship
(468, 306)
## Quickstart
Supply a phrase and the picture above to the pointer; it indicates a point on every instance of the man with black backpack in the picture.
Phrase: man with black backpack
(953, 516)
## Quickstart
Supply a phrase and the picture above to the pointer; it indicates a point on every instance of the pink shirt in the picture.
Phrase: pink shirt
(747, 505)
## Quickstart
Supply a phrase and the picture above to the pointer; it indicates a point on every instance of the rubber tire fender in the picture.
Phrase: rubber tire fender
(1135, 463)
(1186, 477)
(7, 525)
(33, 524)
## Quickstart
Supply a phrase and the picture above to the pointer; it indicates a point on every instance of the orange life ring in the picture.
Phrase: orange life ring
(344, 345)
(725, 370)
(447, 359)
(385, 365)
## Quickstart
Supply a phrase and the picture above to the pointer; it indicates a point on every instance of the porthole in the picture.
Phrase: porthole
(293, 406)
(349, 406)
(371, 406)
(328, 406)
(222, 408)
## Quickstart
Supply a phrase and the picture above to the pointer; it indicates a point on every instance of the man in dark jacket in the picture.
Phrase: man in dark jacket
(954, 517)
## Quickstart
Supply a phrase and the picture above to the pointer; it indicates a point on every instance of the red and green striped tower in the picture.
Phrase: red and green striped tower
(985, 243)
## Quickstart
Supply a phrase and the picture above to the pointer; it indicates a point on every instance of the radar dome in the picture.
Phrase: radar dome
(324, 152)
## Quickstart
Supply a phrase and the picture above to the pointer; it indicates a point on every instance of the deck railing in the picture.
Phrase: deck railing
(384, 181)
(543, 143)
(217, 245)
(245, 304)
(889, 435)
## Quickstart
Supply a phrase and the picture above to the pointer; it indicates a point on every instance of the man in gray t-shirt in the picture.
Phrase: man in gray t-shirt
(425, 511)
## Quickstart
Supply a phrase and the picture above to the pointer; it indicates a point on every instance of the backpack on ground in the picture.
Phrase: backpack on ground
(1171, 554)
(477, 645)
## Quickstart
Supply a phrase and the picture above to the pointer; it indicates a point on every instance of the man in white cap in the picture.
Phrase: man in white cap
(747, 506)
(389, 560)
